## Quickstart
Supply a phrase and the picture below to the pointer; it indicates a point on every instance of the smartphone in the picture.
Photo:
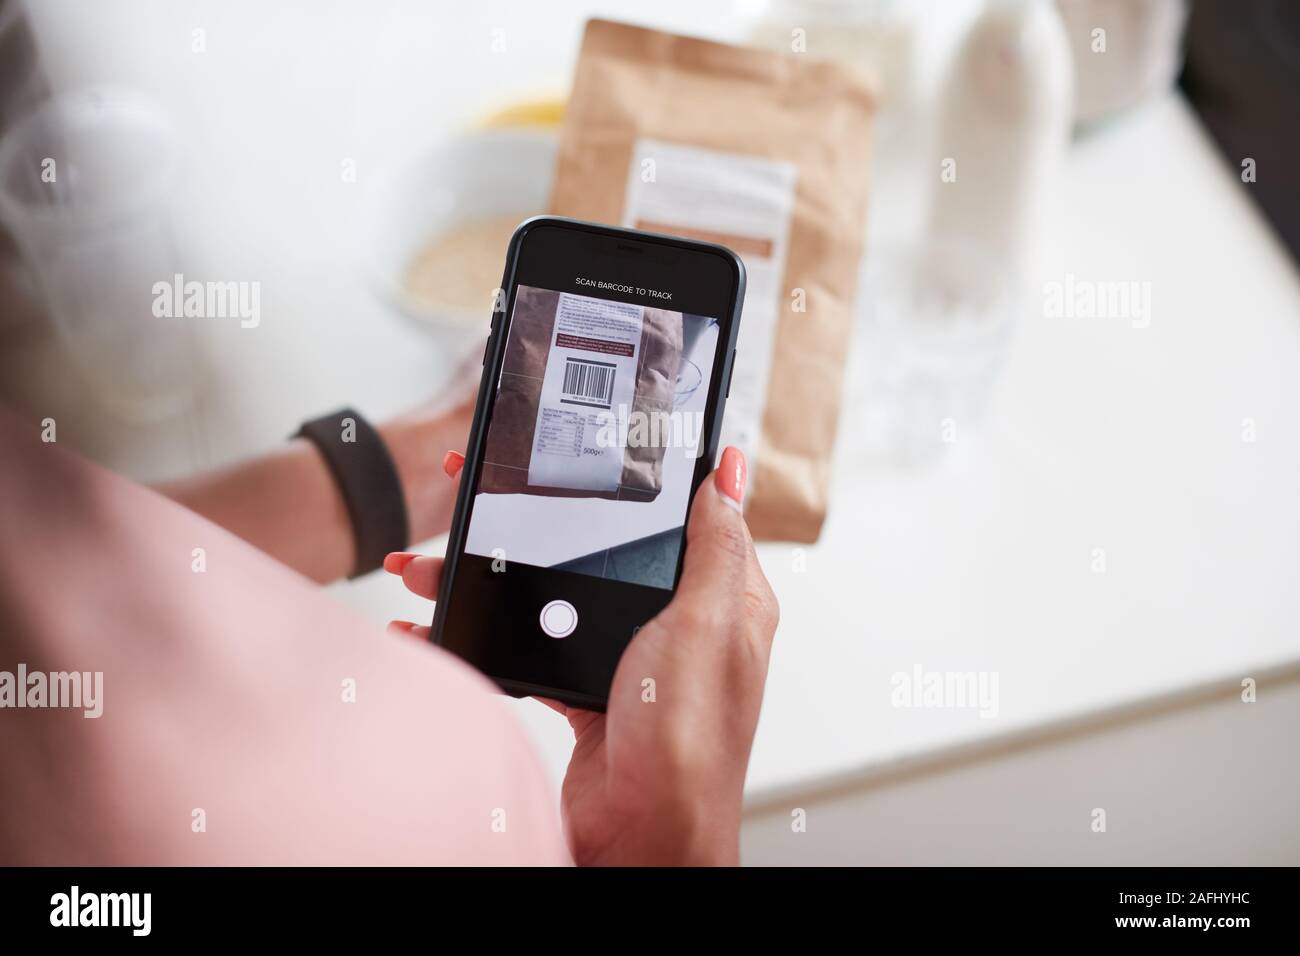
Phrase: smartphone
(605, 375)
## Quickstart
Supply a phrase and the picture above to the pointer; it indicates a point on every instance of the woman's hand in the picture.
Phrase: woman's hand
(658, 778)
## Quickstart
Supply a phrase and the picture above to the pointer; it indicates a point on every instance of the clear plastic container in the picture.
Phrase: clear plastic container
(934, 325)
(88, 183)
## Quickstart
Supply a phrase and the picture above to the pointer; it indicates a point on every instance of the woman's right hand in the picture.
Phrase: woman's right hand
(658, 778)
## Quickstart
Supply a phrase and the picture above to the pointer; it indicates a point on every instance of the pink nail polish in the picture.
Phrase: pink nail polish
(396, 561)
(731, 476)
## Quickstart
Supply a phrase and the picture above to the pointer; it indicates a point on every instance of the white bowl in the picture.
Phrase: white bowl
(474, 177)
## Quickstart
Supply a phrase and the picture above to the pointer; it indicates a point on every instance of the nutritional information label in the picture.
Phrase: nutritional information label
(560, 432)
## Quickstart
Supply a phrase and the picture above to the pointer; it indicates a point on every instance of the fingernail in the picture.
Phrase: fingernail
(731, 477)
(395, 562)
(400, 627)
(452, 463)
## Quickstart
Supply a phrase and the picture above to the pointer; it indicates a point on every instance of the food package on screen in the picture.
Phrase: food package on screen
(574, 368)
(766, 153)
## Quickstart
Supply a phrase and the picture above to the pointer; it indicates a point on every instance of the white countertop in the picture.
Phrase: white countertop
(1100, 435)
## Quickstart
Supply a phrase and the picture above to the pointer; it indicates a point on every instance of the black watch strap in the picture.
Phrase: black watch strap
(366, 476)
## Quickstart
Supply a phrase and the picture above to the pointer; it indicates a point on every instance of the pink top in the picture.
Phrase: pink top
(230, 732)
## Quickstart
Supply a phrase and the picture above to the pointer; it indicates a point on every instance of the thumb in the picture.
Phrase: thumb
(719, 550)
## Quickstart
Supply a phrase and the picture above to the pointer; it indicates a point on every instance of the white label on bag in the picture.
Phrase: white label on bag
(590, 374)
(744, 203)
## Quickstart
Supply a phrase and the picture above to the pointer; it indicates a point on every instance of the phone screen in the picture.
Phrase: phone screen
(603, 388)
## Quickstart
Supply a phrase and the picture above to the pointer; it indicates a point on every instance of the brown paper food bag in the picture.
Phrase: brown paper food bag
(766, 153)
(512, 439)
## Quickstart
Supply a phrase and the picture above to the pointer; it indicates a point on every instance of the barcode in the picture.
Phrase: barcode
(587, 383)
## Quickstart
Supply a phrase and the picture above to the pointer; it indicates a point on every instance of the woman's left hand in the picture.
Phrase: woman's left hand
(421, 573)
